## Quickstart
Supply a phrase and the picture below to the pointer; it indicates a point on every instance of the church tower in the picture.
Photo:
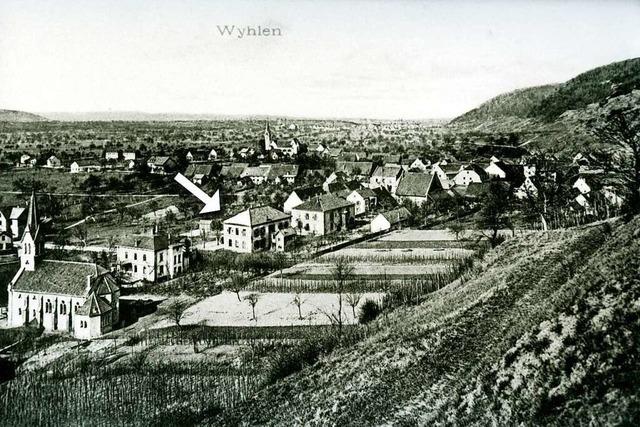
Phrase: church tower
(267, 138)
(30, 245)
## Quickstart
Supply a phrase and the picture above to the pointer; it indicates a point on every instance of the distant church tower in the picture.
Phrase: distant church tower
(30, 244)
(267, 138)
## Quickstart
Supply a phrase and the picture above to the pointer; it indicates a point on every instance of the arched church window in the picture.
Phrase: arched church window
(63, 307)
(48, 307)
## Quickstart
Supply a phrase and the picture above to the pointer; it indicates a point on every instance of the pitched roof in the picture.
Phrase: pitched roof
(324, 203)
(287, 232)
(250, 171)
(387, 171)
(308, 192)
(58, 277)
(415, 184)
(233, 170)
(94, 306)
(282, 169)
(396, 215)
(354, 168)
(159, 160)
(16, 212)
(193, 169)
(256, 216)
(155, 242)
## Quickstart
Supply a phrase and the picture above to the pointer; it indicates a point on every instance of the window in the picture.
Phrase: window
(20, 312)
(19, 296)
(135, 268)
(144, 257)
(230, 243)
(63, 307)
(144, 270)
(243, 244)
(160, 257)
(237, 231)
(34, 313)
(236, 243)
(126, 255)
(306, 216)
(244, 233)
(135, 256)
(161, 271)
(48, 307)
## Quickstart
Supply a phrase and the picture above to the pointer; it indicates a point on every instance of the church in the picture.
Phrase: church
(78, 298)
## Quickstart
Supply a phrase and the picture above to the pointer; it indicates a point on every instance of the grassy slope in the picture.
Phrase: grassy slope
(534, 109)
(536, 336)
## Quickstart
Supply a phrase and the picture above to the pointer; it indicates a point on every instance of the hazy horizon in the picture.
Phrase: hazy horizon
(407, 60)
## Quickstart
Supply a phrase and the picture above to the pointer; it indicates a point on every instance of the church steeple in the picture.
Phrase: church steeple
(30, 242)
(267, 137)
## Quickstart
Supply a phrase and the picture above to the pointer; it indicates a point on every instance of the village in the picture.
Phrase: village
(284, 200)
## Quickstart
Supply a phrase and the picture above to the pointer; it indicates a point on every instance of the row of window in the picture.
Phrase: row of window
(48, 306)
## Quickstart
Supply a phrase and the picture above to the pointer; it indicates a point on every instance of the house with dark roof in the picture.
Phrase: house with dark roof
(233, 171)
(417, 187)
(153, 257)
(254, 229)
(363, 199)
(387, 177)
(284, 238)
(299, 195)
(357, 170)
(283, 172)
(390, 219)
(323, 214)
(79, 298)
(445, 172)
(161, 165)
(200, 172)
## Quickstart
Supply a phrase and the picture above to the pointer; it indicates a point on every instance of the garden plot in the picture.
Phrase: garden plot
(272, 309)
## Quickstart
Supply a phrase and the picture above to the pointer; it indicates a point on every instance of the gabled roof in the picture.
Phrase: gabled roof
(155, 242)
(234, 170)
(388, 171)
(159, 160)
(308, 192)
(355, 168)
(324, 203)
(58, 277)
(16, 212)
(287, 232)
(193, 169)
(477, 169)
(257, 216)
(416, 184)
(94, 306)
(396, 215)
(250, 171)
(282, 169)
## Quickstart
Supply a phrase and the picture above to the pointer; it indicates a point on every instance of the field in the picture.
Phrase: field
(272, 309)
(417, 259)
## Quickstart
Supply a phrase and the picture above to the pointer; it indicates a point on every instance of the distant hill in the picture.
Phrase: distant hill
(549, 116)
(19, 116)
(546, 333)
(548, 103)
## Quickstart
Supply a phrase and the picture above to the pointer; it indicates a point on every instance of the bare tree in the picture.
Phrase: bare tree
(238, 282)
(297, 301)
(353, 300)
(176, 310)
(252, 299)
(341, 272)
(619, 124)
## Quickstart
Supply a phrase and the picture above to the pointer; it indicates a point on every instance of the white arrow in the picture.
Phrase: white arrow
(211, 204)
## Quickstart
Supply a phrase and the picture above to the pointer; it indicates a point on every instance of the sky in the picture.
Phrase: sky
(349, 59)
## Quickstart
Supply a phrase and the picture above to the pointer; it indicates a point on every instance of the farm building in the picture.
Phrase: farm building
(253, 229)
(199, 173)
(390, 219)
(284, 238)
(161, 165)
(53, 162)
(83, 166)
(300, 195)
(386, 177)
(364, 199)
(417, 187)
(469, 174)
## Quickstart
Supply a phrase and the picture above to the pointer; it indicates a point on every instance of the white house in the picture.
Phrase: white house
(386, 177)
(363, 199)
(419, 164)
(526, 189)
(111, 155)
(129, 155)
(152, 257)
(322, 215)
(470, 174)
(84, 166)
(389, 219)
(417, 187)
(53, 162)
(254, 229)
(300, 195)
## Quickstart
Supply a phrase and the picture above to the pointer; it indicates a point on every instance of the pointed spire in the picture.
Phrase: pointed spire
(32, 217)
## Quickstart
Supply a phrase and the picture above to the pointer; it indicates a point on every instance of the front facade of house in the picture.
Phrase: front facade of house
(417, 187)
(53, 162)
(323, 215)
(254, 229)
(387, 220)
(84, 167)
(386, 177)
(78, 298)
(470, 174)
(364, 200)
(152, 257)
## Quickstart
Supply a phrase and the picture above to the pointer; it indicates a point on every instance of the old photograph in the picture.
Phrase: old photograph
(319, 213)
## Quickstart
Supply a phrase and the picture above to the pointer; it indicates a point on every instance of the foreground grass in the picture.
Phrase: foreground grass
(546, 333)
